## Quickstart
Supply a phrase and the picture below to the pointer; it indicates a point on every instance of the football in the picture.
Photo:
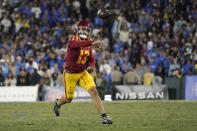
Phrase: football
(103, 13)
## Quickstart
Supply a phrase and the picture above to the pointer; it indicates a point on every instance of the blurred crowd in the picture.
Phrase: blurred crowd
(143, 40)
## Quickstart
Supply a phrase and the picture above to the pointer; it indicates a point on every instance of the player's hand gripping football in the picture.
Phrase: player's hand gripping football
(98, 44)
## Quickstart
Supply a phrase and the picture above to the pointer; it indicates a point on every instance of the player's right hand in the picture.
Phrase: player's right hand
(90, 69)
(98, 43)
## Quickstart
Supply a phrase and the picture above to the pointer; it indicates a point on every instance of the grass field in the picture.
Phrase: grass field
(82, 116)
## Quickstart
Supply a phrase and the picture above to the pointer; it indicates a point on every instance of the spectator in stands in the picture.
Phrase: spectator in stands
(131, 77)
(148, 76)
(166, 64)
(33, 78)
(36, 10)
(54, 82)
(160, 73)
(13, 68)
(31, 63)
(5, 67)
(2, 79)
(124, 69)
(6, 23)
(116, 76)
(52, 59)
(53, 69)
(60, 78)
(41, 70)
(113, 60)
(173, 65)
(10, 80)
(139, 72)
(159, 77)
(107, 77)
(153, 65)
(143, 51)
(195, 70)
(118, 46)
(124, 62)
(124, 34)
(176, 73)
(188, 66)
(190, 71)
(195, 52)
(2, 9)
(105, 66)
(20, 64)
(22, 77)
(46, 79)
(143, 66)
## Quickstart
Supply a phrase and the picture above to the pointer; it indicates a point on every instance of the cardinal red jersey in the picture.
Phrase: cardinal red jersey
(79, 52)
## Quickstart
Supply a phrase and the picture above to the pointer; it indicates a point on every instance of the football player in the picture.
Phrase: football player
(79, 51)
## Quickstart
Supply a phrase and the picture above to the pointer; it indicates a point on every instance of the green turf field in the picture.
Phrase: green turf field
(82, 116)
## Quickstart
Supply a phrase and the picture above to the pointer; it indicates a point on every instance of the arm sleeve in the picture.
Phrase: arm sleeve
(91, 59)
(76, 43)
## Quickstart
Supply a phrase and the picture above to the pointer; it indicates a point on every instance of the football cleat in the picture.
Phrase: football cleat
(56, 108)
(106, 120)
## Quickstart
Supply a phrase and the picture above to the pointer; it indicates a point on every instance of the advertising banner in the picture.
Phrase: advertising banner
(52, 93)
(190, 87)
(140, 92)
(19, 94)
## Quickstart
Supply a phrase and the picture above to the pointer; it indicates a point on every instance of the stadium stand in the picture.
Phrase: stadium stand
(160, 34)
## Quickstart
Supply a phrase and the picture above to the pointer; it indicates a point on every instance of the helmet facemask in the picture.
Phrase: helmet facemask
(83, 30)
